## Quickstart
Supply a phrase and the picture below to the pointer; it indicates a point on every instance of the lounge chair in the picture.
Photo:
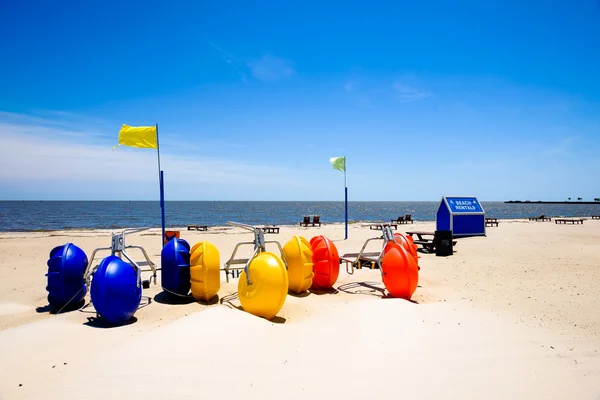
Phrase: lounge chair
(306, 221)
(316, 220)
(400, 220)
(408, 218)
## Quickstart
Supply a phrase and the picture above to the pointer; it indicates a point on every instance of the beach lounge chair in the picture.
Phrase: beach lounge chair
(306, 221)
(400, 220)
(408, 218)
(316, 220)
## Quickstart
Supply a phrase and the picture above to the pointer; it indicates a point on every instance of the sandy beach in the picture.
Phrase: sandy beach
(514, 315)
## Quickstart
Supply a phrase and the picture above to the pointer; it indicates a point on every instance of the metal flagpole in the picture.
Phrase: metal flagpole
(162, 192)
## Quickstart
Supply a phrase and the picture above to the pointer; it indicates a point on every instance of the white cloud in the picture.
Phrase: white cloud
(51, 155)
(43, 159)
(407, 93)
(270, 68)
(558, 149)
(363, 92)
(373, 90)
(37, 153)
(225, 56)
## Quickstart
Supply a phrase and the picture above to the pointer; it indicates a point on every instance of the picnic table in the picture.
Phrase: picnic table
(422, 235)
(569, 221)
(270, 229)
(491, 222)
(197, 228)
(423, 238)
(380, 225)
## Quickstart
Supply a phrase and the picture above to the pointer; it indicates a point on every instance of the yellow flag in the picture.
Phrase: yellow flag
(138, 136)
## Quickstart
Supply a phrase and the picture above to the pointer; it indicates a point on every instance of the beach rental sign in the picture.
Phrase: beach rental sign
(464, 216)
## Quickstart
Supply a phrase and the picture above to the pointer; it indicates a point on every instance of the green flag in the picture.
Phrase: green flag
(338, 163)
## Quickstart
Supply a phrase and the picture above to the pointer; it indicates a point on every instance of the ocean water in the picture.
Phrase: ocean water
(60, 215)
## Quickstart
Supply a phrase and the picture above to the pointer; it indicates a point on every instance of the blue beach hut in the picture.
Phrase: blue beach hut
(464, 216)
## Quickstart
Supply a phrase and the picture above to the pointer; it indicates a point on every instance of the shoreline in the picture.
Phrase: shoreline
(213, 228)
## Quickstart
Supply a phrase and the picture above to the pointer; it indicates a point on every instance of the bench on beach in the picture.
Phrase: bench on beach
(491, 222)
(426, 245)
(541, 218)
(429, 245)
(380, 225)
(595, 216)
(569, 221)
(269, 229)
(197, 227)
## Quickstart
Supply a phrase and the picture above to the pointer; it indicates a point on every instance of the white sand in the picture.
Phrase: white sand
(514, 315)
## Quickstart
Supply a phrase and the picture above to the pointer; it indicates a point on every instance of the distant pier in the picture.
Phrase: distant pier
(550, 202)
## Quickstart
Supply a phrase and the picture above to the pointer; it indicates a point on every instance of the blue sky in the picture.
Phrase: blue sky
(494, 99)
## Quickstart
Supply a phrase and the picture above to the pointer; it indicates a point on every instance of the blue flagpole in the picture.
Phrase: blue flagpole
(346, 213)
(346, 196)
(162, 207)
